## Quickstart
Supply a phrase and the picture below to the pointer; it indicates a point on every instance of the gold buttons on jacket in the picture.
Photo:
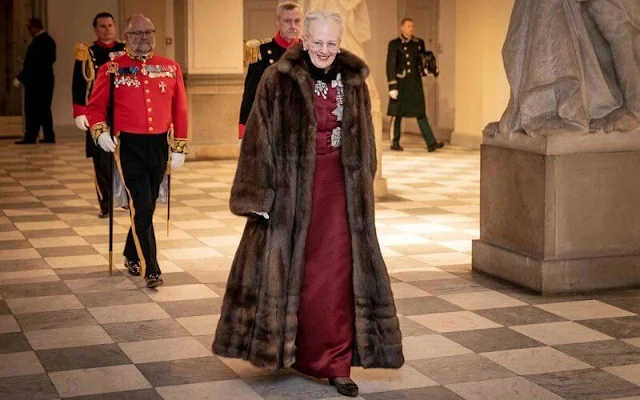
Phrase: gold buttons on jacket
(146, 81)
(151, 129)
(146, 90)
(150, 119)
(149, 109)
(148, 100)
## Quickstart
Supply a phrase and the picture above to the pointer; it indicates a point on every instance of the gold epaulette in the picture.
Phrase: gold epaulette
(81, 51)
(252, 50)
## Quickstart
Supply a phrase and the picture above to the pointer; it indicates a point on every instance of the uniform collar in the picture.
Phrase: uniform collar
(135, 56)
(104, 45)
(404, 39)
(282, 42)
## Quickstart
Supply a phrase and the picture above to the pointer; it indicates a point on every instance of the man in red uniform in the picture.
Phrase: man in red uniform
(150, 106)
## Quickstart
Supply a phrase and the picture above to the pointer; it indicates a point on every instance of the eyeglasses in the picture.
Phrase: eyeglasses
(141, 33)
(317, 45)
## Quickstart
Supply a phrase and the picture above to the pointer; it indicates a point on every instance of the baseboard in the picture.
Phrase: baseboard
(468, 140)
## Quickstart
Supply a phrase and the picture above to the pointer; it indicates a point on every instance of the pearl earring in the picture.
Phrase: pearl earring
(338, 50)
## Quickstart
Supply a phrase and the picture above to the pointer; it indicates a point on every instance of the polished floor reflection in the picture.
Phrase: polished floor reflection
(67, 329)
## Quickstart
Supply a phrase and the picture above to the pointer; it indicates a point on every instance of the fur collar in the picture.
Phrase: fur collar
(354, 71)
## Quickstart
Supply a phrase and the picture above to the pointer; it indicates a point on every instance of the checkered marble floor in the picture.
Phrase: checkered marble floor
(69, 330)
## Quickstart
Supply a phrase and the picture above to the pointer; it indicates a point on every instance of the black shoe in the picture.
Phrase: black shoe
(133, 267)
(346, 388)
(435, 147)
(103, 214)
(396, 147)
(154, 280)
(22, 141)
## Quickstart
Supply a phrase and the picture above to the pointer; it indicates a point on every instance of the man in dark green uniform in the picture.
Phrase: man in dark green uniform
(260, 54)
(89, 58)
(407, 62)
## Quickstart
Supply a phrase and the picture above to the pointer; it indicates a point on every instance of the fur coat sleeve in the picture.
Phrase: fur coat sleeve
(253, 187)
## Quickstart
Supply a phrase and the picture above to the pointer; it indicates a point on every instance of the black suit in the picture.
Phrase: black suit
(38, 81)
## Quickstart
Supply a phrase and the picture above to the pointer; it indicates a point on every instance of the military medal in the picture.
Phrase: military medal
(336, 134)
(163, 86)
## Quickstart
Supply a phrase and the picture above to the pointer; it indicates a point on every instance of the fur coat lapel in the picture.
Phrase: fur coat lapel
(258, 320)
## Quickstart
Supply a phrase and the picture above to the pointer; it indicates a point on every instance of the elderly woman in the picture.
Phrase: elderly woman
(308, 287)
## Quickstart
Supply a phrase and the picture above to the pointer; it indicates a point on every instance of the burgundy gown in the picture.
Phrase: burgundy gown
(326, 313)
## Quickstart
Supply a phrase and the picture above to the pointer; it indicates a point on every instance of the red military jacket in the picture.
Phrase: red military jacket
(149, 97)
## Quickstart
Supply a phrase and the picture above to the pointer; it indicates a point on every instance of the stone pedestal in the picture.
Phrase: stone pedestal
(560, 213)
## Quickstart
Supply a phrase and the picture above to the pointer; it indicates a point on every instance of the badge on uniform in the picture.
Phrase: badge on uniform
(126, 80)
(160, 71)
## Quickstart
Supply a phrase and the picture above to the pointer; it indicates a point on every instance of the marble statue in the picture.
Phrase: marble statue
(573, 66)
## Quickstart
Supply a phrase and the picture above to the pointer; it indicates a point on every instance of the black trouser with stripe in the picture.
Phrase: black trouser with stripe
(101, 160)
(142, 161)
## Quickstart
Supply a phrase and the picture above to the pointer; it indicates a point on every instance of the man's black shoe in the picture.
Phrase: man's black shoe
(103, 214)
(47, 141)
(133, 267)
(396, 147)
(154, 280)
(22, 141)
(435, 147)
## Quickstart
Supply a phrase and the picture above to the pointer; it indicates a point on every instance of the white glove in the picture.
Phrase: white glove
(262, 214)
(16, 82)
(106, 143)
(81, 122)
(177, 160)
(393, 94)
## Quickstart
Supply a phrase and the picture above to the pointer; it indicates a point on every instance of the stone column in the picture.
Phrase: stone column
(211, 46)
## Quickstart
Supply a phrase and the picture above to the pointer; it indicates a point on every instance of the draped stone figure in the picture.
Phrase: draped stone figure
(573, 66)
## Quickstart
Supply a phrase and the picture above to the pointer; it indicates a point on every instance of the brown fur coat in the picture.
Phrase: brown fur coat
(275, 172)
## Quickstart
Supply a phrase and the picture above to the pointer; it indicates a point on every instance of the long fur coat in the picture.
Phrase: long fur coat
(275, 173)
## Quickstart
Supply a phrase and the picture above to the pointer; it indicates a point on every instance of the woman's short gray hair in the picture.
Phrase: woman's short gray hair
(325, 16)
